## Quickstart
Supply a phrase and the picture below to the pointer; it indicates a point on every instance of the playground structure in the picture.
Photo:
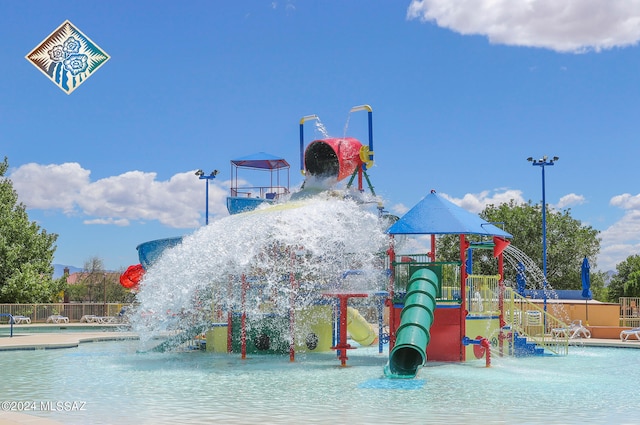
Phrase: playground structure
(424, 309)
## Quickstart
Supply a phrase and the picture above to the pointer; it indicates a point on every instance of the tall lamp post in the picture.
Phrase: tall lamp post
(543, 162)
(211, 176)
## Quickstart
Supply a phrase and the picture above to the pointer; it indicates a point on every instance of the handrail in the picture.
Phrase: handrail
(533, 322)
(11, 322)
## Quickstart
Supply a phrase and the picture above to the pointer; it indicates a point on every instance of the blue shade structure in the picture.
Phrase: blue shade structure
(435, 215)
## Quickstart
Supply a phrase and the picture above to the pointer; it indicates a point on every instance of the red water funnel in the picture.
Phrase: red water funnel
(336, 157)
(499, 245)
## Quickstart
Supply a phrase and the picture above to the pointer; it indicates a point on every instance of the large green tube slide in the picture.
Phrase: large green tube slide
(416, 318)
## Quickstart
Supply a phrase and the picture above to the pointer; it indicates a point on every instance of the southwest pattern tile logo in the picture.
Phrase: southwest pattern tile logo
(67, 57)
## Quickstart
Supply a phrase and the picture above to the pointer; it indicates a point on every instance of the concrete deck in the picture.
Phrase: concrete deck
(23, 339)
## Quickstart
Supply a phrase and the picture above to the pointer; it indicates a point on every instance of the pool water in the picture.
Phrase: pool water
(122, 386)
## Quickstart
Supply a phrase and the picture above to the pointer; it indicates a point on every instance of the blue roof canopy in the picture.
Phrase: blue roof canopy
(261, 160)
(435, 215)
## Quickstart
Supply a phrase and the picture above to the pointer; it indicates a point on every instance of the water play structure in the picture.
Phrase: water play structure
(324, 269)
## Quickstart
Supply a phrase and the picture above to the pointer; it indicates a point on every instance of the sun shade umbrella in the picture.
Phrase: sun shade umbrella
(586, 286)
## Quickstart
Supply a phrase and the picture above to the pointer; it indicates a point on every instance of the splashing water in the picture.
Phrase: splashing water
(292, 251)
(535, 277)
(321, 128)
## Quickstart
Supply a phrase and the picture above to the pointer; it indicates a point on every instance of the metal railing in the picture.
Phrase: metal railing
(483, 295)
(264, 192)
(630, 311)
(535, 324)
(39, 313)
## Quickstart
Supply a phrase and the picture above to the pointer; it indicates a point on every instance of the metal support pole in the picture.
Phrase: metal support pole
(211, 176)
(543, 163)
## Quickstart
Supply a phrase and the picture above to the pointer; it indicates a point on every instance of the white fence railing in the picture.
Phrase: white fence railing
(38, 313)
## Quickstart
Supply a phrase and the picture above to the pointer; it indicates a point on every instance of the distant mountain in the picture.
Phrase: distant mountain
(607, 277)
(58, 270)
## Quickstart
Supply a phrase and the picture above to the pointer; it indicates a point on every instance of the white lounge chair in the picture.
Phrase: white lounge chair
(56, 318)
(88, 318)
(92, 318)
(21, 319)
(628, 333)
(575, 330)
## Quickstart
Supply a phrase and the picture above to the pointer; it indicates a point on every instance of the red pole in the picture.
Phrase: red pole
(487, 351)
(292, 298)
(243, 321)
(501, 303)
(392, 277)
(501, 289)
(229, 320)
(463, 293)
(343, 329)
(432, 254)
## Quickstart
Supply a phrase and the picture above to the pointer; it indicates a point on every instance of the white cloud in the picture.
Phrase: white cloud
(50, 186)
(399, 209)
(560, 25)
(118, 200)
(626, 201)
(621, 239)
(476, 202)
(570, 200)
(119, 222)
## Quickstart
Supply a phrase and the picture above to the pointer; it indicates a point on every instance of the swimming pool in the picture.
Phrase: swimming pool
(121, 386)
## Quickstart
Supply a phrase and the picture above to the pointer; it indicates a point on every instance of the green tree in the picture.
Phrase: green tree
(568, 242)
(97, 285)
(26, 251)
(626, 282)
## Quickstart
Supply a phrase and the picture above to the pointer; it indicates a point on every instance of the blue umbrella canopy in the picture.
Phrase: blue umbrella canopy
(521, 279)
(435, 215)
(586, 279)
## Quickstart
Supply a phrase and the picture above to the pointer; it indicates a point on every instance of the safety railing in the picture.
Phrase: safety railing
(530, 321)
(39, 313)
(630, 311)
(264, 192)
(483, 295)
(448, 274)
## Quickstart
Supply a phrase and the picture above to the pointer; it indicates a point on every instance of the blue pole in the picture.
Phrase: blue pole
(302, 121)
(206, 209)
(542, 163)
(211, 176)
(370, 122)
(544, 241)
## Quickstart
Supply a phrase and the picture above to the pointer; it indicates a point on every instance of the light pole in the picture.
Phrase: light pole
(211, 176)
(543, 162)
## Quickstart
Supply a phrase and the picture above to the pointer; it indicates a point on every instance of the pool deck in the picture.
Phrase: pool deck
(24, 340)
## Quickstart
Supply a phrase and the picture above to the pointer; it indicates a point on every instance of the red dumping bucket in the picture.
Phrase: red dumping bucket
(335, 157)
(131, 277)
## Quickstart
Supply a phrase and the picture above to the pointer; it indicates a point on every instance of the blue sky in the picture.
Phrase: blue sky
(462, 93)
